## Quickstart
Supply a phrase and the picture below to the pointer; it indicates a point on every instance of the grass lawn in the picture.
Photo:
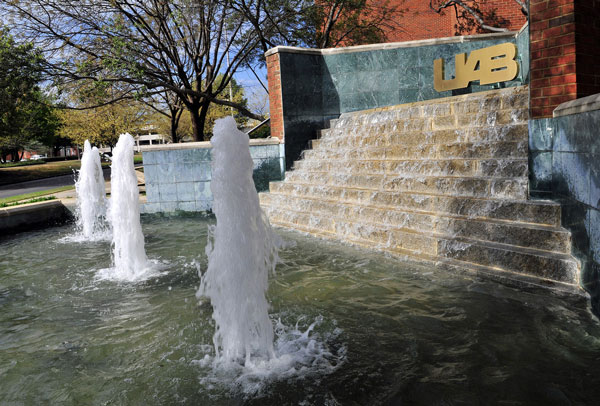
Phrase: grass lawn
(37, 199)
(9, 175)
(47, 170)
(22, 163)
(20, 199)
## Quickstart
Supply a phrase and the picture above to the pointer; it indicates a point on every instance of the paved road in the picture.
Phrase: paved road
(41, 184)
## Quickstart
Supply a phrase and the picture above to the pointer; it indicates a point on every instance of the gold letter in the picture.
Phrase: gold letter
(496, 64)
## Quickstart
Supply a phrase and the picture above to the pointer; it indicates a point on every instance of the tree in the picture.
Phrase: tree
(190, 48)
(168, 108)
(320, 23)
(26, 117)
(151, 46)
(470, 14)
(87, 116)
(354, 22)
(217, 111)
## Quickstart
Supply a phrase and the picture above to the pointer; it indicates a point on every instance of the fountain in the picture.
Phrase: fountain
(242, 251)
(91, 198)
(351, 326)
(129, 256)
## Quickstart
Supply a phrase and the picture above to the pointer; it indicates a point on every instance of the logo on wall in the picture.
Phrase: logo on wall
(488, 65)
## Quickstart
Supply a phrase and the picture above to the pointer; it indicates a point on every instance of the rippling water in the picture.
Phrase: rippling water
(398, 333)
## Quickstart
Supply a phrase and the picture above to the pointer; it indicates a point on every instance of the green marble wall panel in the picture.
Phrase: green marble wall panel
(523, 56)
(573, 144)
(179, 179)
(541, 133)
(370, 79)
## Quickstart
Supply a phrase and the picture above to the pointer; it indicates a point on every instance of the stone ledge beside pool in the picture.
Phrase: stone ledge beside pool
(32, 216)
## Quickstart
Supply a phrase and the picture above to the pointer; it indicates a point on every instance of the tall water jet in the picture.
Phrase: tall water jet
(242, 252)
(91, 197)
(129, 256)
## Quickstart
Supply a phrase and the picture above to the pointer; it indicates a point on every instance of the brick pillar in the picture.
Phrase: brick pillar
(275, 97)
(564, 52)
(552, 44)
(587, 20)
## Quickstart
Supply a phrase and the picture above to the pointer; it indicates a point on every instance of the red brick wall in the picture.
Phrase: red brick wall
(419, 21)
(565, 54)
(275, 97)
(552, 44)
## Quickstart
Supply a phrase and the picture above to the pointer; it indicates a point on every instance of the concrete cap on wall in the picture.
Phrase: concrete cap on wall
(203, 144)
(394, 45)
(589, 103)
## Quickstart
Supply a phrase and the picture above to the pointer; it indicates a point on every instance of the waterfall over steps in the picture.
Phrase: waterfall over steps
(444, 180)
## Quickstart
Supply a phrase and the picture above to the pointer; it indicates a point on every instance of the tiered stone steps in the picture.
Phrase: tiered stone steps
(444, 180)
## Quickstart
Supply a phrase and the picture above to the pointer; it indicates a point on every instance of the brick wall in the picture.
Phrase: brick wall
(552, 44)
(275, 97)
(419, 21)
(564, 37)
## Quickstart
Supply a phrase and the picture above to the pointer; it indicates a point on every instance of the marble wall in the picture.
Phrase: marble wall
(178, 175)
(319, 86)
(565, 166)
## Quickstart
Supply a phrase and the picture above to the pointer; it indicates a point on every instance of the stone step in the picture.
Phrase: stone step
(435, 128)
(480, 150)
(442, 180)
(547, 238)
(374, 136)
(543, 264)
(505, 188)
(494, 167)
(475, 103)
(533, 212)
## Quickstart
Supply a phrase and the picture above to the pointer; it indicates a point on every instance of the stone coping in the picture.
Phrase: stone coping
(29, 208)
(439, 100)
(203, 144)
(582, 105)
(394, 45)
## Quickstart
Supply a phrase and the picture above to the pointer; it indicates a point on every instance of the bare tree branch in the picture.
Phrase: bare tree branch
(475, 14)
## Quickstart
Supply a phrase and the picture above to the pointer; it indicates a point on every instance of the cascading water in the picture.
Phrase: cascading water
(242, 252)
(91, 198)
(129, 256)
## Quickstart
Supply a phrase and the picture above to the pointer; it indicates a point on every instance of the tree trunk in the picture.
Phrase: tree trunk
(174, 136)
(175, 116)
(197, 127)
(202, 119)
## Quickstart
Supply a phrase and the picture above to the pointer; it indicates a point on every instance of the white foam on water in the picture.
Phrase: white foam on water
(298, 354)
(91, 222)
(129, 256)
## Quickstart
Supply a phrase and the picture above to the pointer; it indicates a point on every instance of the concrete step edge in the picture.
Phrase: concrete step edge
(505, 222)
(463, 266)
(438, 234)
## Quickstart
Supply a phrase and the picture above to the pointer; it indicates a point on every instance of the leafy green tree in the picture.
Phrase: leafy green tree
(102, 125)
(26, 115)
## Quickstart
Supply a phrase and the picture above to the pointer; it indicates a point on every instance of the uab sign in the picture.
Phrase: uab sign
(488, 65)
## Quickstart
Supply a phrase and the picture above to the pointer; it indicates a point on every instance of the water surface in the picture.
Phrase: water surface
(396, 332)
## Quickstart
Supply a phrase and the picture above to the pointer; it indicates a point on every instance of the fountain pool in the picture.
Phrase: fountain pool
(396, 332)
